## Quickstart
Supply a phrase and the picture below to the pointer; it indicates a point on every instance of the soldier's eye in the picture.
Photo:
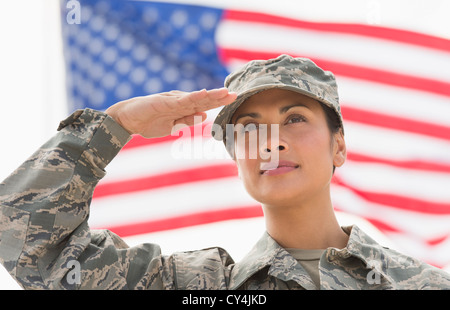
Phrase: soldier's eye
(296, 118)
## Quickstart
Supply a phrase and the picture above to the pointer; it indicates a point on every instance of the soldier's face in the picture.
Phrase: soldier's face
(294, 163)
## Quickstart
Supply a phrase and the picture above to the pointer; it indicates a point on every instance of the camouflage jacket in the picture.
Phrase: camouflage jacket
(45, 238)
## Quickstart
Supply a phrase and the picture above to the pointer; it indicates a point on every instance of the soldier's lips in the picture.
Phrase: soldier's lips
(277, 168)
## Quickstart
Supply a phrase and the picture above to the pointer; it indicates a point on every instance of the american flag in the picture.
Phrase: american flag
(394, 87)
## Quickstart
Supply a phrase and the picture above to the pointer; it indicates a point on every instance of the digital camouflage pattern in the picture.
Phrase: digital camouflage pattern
(44, 209)
(296, 74)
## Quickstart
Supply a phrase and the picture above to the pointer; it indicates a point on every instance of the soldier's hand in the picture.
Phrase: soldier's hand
(155, 115)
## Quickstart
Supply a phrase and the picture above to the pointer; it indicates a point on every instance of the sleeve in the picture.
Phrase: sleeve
(45, 240)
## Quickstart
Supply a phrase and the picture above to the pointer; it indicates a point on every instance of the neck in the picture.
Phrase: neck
(305, 225)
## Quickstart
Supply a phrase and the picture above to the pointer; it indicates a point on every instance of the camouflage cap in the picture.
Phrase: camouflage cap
(296, 74)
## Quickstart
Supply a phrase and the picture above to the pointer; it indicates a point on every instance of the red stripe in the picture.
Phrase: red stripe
(395, 122)
(437, 240)
(187, 220)
(196, 130)
(138, 141)
(397, 35)
(397, 201)
(381, 225)
(165, 179)
(407, 164)
(353, 71)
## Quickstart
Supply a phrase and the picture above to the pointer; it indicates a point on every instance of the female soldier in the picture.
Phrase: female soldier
(44, 204)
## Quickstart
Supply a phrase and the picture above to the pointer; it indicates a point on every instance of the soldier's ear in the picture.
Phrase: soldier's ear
(339, 149)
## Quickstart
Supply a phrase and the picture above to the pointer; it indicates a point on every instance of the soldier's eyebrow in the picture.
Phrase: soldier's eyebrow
(253, 115)
(286, 108)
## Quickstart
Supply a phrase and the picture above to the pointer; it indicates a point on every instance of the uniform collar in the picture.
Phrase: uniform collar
(261, 255)
(362, 246)
(267, 252)
(370, 252)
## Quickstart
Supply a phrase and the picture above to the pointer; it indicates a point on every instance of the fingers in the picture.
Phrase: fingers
(201, 101)
(218, 93)
(204, 100)
(221, 94)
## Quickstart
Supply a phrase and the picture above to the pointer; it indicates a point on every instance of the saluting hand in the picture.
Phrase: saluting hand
(155, 115)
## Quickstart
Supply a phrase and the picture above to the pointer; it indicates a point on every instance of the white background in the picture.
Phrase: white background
(33, 94)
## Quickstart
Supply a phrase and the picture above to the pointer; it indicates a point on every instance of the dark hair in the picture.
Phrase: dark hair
(332, 118)
(333, 122)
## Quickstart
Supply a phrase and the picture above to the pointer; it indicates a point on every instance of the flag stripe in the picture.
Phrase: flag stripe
(166, 179)
(392, 34)
(166, 202)
(186, 220)
(138, 141)
(408, 164)
(396, 101)
(392, 144)
(350, 49)
(398, 201)
(394, 122)
(370, 74)
(416, 184)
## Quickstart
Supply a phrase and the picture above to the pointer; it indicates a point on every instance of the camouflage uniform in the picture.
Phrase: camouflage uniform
(44, 208)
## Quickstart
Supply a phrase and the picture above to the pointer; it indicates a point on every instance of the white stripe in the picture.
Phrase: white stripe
(391, 100)
(373, 177)
(166, 157)
(169, 201)
(346, 48)
(394, 144)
